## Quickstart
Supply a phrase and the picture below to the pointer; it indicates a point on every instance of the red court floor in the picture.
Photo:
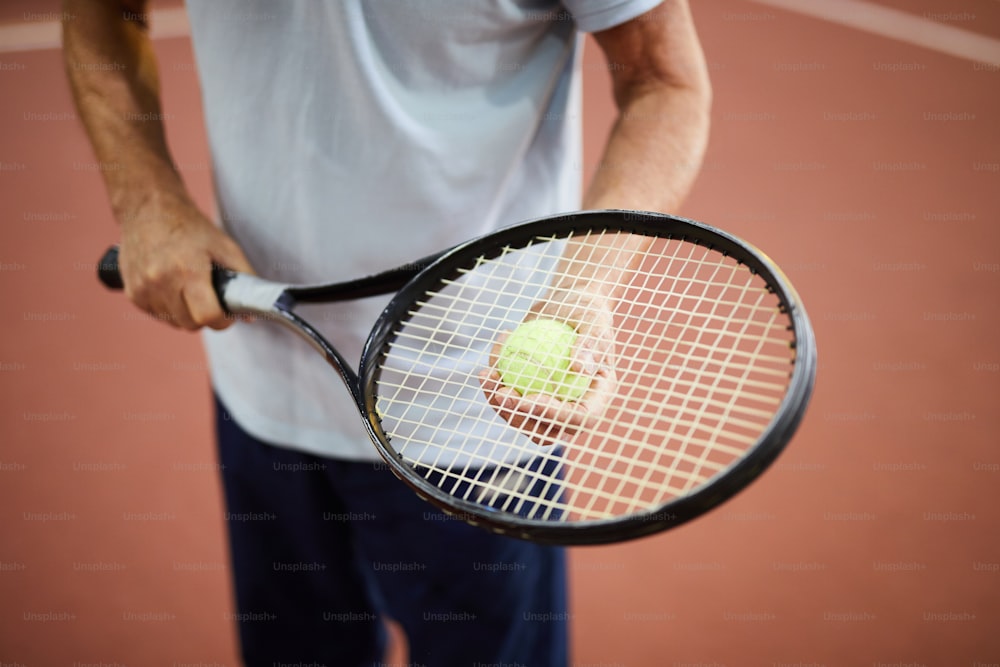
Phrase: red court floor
(868, 167)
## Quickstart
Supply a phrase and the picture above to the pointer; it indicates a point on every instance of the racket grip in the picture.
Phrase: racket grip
(110, 276)
(107, 269)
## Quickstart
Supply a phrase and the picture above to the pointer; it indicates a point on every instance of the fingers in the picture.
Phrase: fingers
(526, 413)
(545, 418)
(203, 306)
(175, 293)
(170, 276)
(590, 355)
(203, 302)
(229, 254)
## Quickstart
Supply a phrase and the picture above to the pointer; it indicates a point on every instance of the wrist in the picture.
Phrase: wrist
(151, 205)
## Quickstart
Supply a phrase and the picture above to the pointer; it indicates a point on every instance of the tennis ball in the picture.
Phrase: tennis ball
(535, 359)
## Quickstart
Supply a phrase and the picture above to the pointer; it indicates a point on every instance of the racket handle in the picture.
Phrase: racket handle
(111, 277)
(107, 269)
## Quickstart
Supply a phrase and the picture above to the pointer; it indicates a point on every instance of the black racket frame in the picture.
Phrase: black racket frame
(669, 515)
(413, 281)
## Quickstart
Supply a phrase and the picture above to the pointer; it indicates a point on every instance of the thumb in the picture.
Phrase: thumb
(228, 253)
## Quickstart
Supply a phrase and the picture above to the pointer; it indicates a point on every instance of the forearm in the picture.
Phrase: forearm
(167, 245)
(654, 152)
(650, 162)
(112, 73)
(656, 146)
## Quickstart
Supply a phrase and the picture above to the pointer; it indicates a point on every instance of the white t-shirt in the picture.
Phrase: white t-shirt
(349, 137)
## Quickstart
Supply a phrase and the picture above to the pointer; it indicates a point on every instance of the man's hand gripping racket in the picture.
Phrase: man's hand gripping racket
(696, 355)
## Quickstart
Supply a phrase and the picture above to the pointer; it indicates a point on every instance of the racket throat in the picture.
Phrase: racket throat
(282, 311)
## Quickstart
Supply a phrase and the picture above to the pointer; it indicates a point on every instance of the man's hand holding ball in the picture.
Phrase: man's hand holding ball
(554, 373)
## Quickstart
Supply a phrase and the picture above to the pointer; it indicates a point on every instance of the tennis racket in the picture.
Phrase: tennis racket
(708, 363)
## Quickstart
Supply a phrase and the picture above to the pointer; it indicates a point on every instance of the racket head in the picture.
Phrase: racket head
(468, 485)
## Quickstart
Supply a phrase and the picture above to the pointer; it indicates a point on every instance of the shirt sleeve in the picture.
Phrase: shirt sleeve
(597, 15)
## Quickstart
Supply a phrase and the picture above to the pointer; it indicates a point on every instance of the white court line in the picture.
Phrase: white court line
(898, 25)
(883, 21)
(35, 35)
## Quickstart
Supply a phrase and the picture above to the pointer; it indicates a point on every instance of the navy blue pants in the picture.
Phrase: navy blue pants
(324, 550)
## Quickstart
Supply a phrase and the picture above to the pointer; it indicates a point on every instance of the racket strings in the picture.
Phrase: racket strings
(654, 405)
(649, 461)
(422, 338)
(588, 260)
(702, 356)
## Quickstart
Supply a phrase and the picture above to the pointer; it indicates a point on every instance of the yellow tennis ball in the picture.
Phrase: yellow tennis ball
(535, 359)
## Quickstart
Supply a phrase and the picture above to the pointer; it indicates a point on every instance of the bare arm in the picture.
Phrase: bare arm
(663, 95)
(658, 141)
(167, 244)
(655, 150)
(650, 162)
